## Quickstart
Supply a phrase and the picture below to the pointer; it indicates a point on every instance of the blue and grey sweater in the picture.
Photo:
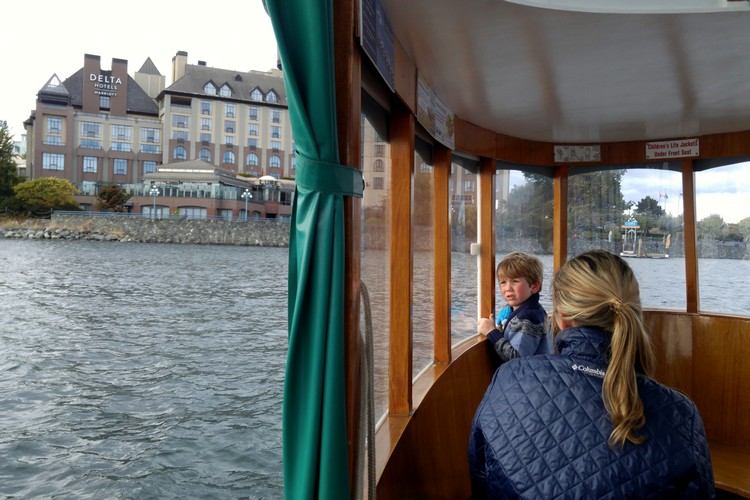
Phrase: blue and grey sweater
(524, 333)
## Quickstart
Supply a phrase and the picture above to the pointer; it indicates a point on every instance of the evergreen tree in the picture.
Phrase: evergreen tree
(112, 197)
(45, 194)
(8, 170)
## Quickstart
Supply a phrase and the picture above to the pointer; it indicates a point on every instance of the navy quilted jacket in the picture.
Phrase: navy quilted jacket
(541, 432)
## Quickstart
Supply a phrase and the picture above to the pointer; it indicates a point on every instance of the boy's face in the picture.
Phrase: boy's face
(516, 291)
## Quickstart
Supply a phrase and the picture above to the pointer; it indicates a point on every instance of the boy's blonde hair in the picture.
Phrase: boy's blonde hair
(599, 289)
(521, 265)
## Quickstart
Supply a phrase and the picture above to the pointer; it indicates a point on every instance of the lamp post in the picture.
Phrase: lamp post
(154, 192)
(247, 195)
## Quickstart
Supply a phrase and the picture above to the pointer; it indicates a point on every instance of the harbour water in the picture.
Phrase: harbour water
(156, 371)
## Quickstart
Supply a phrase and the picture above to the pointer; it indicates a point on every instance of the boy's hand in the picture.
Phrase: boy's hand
(486, 325)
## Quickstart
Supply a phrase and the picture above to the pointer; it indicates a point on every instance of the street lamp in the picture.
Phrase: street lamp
(247, 195)
(154, 192)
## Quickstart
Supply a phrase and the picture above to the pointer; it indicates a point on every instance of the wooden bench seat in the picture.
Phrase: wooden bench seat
(731, 468)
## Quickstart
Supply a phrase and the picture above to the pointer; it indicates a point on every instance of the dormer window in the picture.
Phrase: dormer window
(225, 91)
(209, 89)
(256, 95)
(272, 97)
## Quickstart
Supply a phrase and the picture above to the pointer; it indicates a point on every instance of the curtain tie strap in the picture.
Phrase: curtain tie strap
(326, 177)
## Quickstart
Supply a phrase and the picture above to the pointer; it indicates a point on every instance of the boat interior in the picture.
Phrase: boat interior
(559, 89)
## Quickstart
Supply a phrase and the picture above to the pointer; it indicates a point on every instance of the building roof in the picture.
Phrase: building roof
(138, 100)
(241, 83)
(201, 171)
(149, 68)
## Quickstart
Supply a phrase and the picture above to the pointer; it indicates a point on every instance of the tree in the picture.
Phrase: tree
(46, 194)
(112, 197)
(8, 170)
(711, 227)
(743, 227)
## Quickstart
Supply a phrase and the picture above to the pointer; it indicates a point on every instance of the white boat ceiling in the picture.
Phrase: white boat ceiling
(584, 71)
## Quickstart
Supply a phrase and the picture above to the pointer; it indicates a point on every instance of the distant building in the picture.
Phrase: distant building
(102, 126)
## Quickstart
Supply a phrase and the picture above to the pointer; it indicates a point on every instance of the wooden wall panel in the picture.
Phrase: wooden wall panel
(441, 213)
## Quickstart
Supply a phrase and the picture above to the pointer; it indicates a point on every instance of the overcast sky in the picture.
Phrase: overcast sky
(45, 37)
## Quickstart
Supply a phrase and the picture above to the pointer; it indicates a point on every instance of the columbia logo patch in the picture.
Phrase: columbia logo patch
(587, 370)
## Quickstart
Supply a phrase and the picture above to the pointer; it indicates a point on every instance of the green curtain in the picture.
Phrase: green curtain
(314, 413)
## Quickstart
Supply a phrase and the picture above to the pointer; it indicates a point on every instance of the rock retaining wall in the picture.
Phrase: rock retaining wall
(144, 230)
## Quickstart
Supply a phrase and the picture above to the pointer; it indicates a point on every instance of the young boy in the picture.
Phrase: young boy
(521, 329)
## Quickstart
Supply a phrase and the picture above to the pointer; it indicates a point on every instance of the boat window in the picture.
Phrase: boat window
(375, 243)
(523, 220)
(635, 213)
(423, 297)
(723, 219)
(464, 271)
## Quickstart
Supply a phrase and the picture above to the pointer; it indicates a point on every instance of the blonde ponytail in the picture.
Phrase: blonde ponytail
(599, 289)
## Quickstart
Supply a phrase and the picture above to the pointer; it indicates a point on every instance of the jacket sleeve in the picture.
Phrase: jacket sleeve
(702, 485)
(477, 461)
(502, 345)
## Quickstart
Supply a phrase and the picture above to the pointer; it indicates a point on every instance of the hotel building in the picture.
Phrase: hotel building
(212, 144)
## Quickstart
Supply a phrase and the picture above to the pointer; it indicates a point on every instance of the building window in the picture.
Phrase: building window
(104, 102)
(272, 97)
(176, 134)
(256, 95)
(152, 149)
(252, 142)
(252, 129)
(205, 154)
(229, 157)
(225, 91)
(53, 140)
(206, 124)
(206, 107)
(274, 161)
(276, 116)
(91, 129)
(276, 145)
(228, 139)
(89, 164)
(469, 186)
(377, 183)
(91, 144)
(179, 153)
(378, 166)
(121, 146)
(229, 126)
(206, 138)
(53, 161)
(149, 167)
(275, 131)
(252, 113)
(379, 149)
(181, 121)
(230, 110)
(152, 135)
(209, 89)
(251, 160)
(54, 125)
(120, 166)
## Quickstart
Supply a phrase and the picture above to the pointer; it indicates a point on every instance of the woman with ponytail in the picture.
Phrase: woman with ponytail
(589, 422)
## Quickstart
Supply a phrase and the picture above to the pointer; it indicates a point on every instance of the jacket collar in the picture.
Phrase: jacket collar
(584, 342)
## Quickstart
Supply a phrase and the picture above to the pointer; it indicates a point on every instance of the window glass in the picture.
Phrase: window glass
(723, 219)
(205, 154)
(225, 91)
(229, 126)
(151, 135)
(205, 138)
(91, 129)
(180, 153)
(181, 121)
(120, 166)
(423, 248)
(276, 116)
(209, 89)
(89, 164)
(463, 213)
(252, 113)
(274, 161)
(205, 123)
(252, 129)
(206, 107)
(149, 167)
(53, 161)
(523, 222)
(228, 157)
(54, 125)
(252, 159)
(375, 263)
(256, 95)
(634, 212)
